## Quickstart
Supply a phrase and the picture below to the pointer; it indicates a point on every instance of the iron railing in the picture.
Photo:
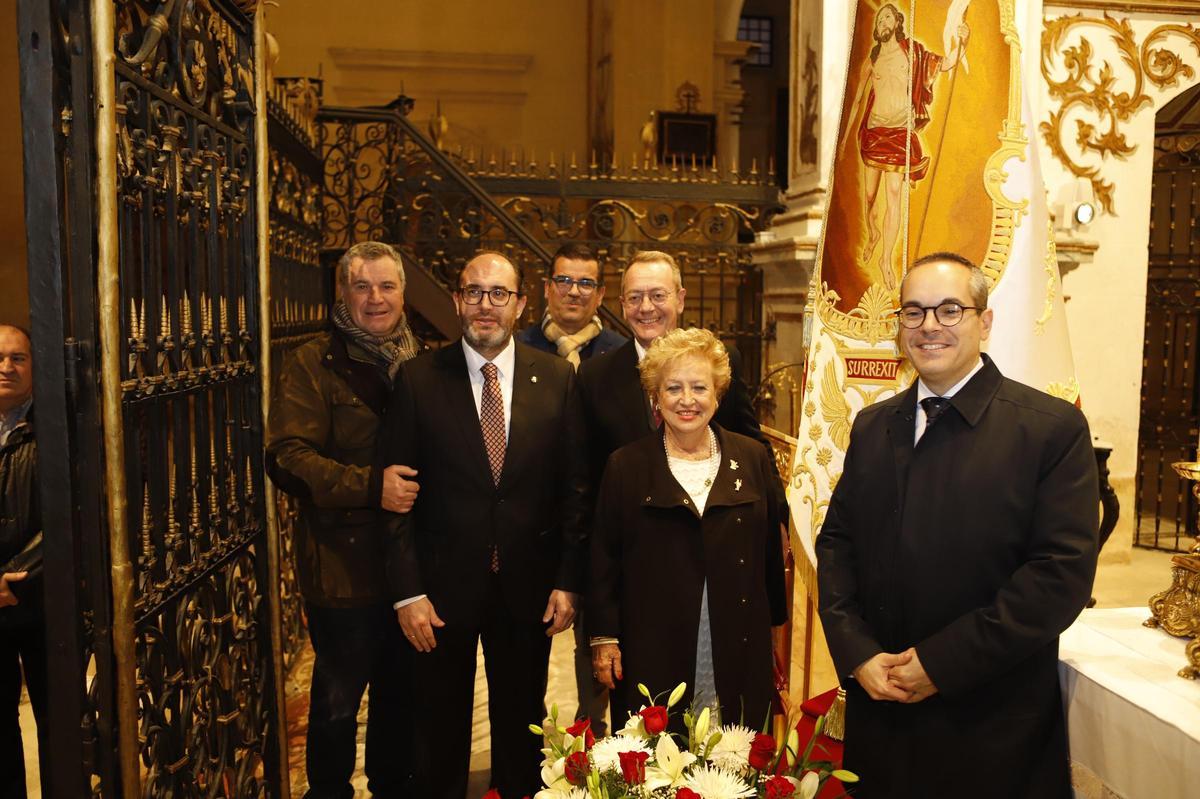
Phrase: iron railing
(384, 179)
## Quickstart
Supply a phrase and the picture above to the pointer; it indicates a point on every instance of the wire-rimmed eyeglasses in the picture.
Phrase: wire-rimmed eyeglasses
(947, 314)
(564, 283)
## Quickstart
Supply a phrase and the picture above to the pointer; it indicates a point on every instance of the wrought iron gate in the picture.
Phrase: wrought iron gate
(1170, 414)
(144, 136)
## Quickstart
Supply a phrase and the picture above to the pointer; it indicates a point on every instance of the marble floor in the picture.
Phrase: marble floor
(1117, 585)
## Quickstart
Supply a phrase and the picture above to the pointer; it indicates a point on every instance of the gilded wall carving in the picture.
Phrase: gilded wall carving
(1101, 96)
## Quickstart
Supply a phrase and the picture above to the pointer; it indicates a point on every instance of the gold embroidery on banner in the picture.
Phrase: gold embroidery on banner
(1051, 280)
(834, 408)
(1089, 87)
(1068, 391)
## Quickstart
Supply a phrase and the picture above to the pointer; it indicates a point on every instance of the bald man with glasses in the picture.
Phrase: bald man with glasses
(494, 548)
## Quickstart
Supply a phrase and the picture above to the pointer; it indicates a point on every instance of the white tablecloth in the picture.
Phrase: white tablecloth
(1132, 722)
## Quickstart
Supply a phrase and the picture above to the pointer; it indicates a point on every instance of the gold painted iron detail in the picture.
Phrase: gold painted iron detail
(1176, 611)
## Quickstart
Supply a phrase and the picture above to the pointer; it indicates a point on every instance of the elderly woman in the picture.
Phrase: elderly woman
(687, 567)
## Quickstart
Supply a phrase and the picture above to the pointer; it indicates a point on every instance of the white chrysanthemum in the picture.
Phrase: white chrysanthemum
(732, 752)
(717, 783)
(606, 753)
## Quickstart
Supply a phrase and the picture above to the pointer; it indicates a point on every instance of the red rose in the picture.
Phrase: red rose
(762, 752)
(576, 768)
(655, 719)
(583, 727)
(492, 794)
(686, 793)
(779, 788)
(633, 766)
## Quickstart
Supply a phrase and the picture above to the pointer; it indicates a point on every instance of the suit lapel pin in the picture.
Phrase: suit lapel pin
(533, 379)
(737, 485)
(733, 465)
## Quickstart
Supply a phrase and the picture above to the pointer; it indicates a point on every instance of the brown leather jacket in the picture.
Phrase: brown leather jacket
(325, 412)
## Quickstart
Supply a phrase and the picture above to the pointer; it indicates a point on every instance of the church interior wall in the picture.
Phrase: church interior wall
(1107, 297)
(508, 76)
(14, 299)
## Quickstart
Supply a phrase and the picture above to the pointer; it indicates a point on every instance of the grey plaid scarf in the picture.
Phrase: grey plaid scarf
(388, 352)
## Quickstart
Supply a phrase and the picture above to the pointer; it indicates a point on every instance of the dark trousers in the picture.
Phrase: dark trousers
(516, 656)
(21, 648)
(354, 648)
(593, 696)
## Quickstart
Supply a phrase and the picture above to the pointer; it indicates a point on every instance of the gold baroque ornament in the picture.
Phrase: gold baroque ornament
(1089, 87)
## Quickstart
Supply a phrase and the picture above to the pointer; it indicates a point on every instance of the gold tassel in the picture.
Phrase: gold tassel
(835, 719)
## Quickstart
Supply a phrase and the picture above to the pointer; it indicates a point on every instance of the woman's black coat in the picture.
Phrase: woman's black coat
(651, 555)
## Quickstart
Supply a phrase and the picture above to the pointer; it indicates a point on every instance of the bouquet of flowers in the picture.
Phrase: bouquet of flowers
(645, 761)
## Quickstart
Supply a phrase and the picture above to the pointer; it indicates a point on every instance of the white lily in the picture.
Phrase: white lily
(670, 763)
(554, 778)
(634, 728)
(807, 787)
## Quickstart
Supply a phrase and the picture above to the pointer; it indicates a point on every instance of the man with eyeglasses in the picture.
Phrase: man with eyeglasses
(570, 327)
(960, 541)
(494, 548)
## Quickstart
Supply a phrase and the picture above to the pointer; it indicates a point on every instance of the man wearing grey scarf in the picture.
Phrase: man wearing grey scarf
(325, 414)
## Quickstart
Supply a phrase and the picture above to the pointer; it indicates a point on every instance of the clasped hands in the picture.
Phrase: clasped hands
(419, 619)
(895, 678)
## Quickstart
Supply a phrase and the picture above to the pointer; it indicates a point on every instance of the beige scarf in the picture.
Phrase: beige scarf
(569, 345)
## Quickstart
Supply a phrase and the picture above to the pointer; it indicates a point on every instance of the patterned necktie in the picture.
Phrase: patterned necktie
(934, 407)
(491, 419)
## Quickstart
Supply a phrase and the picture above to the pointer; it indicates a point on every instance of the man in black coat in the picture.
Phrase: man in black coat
(494, 548)
(960, 541)
(572, 330)
(22, 624)
(573, 293)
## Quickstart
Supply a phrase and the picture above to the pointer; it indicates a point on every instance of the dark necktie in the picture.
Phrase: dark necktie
(934, 407)
(491, 420)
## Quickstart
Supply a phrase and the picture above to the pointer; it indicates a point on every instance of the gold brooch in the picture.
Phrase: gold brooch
(733, 465)
(737, 485)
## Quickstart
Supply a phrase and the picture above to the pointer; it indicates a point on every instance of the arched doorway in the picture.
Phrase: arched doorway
(1170, 416)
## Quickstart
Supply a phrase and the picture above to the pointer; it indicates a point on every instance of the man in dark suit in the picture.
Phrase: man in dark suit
(572, 330)
(961, 539)
(618, 410)
(574, 292)
(494, 547)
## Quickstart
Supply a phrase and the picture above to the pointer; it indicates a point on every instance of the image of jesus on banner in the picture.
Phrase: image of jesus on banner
(887, 102)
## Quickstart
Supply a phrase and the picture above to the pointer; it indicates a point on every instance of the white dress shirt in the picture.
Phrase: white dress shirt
(924, 391)
(505, 362)
(641, 351)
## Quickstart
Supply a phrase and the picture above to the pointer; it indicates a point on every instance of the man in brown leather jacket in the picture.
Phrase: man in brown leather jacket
(325, 412)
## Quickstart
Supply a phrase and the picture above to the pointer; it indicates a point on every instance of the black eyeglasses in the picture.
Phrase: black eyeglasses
(564, 283)
(499, 296)
(948, 314)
